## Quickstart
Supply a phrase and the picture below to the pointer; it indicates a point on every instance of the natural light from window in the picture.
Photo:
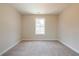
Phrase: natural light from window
(40, 26)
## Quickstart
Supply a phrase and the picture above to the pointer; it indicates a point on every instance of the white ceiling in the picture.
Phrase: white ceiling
(40, 8)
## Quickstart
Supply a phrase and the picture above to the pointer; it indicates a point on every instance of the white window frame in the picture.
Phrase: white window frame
(40, 27)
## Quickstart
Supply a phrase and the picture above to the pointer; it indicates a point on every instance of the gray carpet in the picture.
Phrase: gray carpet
(40, 48)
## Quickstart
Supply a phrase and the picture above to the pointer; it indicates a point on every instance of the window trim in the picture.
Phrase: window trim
(40, 33)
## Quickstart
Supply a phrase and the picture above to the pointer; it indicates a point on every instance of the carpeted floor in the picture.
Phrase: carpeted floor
(40, 48)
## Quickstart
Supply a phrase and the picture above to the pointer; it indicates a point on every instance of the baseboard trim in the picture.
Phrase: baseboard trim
(9, 48)
(69, 46)
(39, 39)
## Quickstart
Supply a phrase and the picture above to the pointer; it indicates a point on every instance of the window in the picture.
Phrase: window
(40, 26)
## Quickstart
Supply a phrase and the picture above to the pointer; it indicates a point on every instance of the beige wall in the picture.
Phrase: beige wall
(10, 27)
(69, 27)
(28, 31)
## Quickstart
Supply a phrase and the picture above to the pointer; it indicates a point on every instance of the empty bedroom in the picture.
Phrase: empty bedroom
(39, 29)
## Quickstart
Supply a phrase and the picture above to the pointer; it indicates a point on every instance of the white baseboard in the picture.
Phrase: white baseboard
(69, 46)
(9, 48)
(39, 39)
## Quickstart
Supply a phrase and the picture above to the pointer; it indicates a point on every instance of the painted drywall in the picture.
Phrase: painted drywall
(69, 27)
(10, 27)
(28, 30)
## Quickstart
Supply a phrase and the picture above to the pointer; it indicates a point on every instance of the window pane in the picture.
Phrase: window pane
(40, 26)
